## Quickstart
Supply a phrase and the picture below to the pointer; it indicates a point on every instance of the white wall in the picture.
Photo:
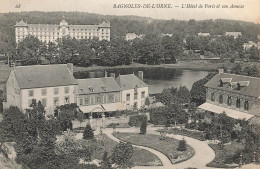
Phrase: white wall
(140, 101)
(49, 96)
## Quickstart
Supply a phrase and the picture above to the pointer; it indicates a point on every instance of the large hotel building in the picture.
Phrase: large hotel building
(50, 33)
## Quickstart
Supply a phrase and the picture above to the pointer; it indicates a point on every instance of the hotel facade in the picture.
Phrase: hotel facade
(55, 85)
(51, 33)
(236, 95)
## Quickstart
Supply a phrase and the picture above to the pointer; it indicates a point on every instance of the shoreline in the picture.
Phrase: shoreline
(198, 66)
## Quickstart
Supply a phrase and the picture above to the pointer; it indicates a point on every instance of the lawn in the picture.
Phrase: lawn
(140, 157)
(221, 155)
(193, 134)
(102, 143)
(167, 146)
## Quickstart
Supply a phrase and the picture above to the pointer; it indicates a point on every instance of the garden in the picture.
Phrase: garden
(168, 146)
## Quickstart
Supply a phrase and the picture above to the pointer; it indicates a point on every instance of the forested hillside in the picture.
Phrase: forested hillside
(123, 24)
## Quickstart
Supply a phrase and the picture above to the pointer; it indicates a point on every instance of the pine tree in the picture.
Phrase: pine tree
(143, 126)
(182, 145)
(88, 133)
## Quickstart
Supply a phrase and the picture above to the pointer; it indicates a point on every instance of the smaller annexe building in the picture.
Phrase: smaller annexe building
(53, 85)
(134, 90)
(236, 95)
(99, 95)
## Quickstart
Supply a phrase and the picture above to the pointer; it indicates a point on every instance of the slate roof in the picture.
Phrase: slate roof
(99, 85)
(250, 86)
(38, 76)
(129, 81)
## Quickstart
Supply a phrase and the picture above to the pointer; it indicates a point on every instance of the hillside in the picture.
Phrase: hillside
(123, 24)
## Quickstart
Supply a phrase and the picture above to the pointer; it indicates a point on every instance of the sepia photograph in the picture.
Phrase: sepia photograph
(130, 84)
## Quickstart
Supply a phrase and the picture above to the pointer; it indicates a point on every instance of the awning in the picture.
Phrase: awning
(113, 106)
(91, 108)
(104, 107)
(230, 112)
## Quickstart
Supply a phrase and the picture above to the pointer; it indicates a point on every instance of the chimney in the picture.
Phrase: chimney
(70, 67)
(141, 75)
(220, 70)
(113, 75)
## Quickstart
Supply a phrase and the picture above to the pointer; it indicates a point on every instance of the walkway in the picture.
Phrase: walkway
(203, 153)
(165, 161)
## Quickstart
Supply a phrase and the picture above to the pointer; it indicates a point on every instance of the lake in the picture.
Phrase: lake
(157, 78)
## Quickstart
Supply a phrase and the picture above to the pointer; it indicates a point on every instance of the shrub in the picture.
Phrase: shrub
(88, 133)
(143, 127)
(158, 116)
(137, 120)
(182, 145)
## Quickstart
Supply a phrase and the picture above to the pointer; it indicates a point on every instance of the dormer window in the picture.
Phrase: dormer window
(103, 88)
(135, 87)
(91, 89)
(224, 81)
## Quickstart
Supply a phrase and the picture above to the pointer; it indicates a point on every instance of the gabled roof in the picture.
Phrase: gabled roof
(129, 82)
(250, 85)
(21, 23)
(104, 24)
(38, 76)
(97, 85)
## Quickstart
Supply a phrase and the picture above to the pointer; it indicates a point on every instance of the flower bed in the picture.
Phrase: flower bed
(168, 146)
(222, 155)
(193, 134)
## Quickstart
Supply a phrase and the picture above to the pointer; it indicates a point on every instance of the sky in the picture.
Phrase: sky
(250, 11)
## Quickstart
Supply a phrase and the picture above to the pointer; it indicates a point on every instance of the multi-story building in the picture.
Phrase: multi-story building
(50, 33)
(99, 95)
(203, 34)
(133, 90)
(236, 95)
(234, 34)
(132, 36)
(53, 85)
(248, 45)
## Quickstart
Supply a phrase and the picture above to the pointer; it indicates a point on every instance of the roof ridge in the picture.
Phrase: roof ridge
(241, 75)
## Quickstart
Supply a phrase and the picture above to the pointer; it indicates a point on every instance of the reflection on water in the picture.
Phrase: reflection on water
(185, 78)
(157, 78)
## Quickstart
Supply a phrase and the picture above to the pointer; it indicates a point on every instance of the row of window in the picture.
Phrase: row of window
(44, 91)
(135, 96)
(55, 101)
(111, 98)
(229, 101)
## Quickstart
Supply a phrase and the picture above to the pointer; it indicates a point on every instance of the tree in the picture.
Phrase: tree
(29, 50)
(88, 133)
(237, 129)
(147, 101)
(182, 145)
(237, 69)
(198, 91)
(183, 95)
(173, 113)
(12, 124)
(122, 154)
(143, 126)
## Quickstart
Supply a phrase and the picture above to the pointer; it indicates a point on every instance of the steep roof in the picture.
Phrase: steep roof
(97, 85)
(129, 82)
(38, 76)
(21, 23)
(104, 24)
(249, 86)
